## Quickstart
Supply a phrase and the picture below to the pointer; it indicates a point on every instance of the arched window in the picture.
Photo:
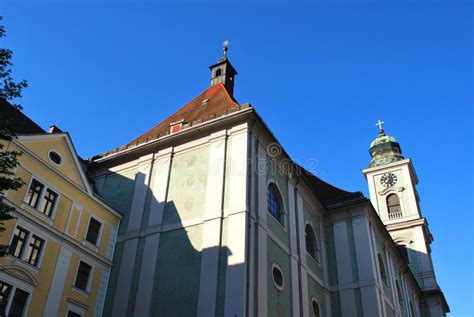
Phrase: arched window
(218, 72)
(383, 270)
(399, 293)
(311, 242)
(316, 309)
(393, 206)
(275, 204)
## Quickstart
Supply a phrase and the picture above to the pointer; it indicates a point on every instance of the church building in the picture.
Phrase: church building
(219, 221)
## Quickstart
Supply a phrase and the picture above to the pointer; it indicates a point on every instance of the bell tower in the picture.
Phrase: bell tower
(392, 182)
(223, 71)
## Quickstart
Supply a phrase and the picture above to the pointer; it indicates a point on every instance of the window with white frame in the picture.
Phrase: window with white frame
(41, 197)
(316, 308)
(70, 313)
(93, 231)
(13, 300)
(311, 242)
(26, 246)
(275, 203)
(83, 276)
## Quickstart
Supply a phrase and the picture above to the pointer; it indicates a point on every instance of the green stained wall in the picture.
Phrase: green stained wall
(279, 302)
(176, 284)
(187, 186)
(112, 286)
(220, 302)
(352, 251)
(331, 256)
(317, 292)
(118, 192)
(136, 276)
(335, 305)
(310, 217)
(274, 226)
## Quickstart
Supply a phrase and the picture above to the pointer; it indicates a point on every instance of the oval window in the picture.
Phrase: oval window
(278, 278)
(55, 157)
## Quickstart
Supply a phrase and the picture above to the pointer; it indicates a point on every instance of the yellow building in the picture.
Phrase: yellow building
(63, 237)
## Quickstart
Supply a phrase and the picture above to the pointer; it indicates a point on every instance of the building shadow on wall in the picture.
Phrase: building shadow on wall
(179, 266)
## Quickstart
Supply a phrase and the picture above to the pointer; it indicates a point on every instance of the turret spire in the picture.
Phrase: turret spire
(223, 71)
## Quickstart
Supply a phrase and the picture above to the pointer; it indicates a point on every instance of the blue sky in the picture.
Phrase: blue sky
(320, 73)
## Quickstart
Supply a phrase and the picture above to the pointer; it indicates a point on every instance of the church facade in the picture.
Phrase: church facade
(219, 221)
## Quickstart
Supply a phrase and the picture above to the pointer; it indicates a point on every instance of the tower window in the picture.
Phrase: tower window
(311, 242)
(218, 72)
(275, 203)
(393, 206)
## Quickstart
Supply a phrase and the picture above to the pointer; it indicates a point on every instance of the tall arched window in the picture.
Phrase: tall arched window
(393, 206)
(383, 270)
(275, 203)
(311, 242)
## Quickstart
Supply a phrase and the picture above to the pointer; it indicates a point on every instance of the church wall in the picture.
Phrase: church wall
(279, 301)
(185, 222)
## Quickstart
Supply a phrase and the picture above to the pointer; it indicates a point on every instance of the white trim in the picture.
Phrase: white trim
(16, 284)
(57, 136)
(99, 234)
(314, 299)
(282, 286)
(89, 278)
(54, 234)
(90, 195)
(61, 159)
(74, 308)
(41, 200)
(283, 207)
(317, 257)
(28, 238)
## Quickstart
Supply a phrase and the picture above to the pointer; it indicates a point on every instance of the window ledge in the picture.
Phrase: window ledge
(276, 220)
(316, 261)
(80, 291)
(23, 263)
(37, 213)
(90, 245)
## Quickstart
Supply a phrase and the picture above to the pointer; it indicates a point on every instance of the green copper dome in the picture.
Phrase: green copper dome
(384, 149)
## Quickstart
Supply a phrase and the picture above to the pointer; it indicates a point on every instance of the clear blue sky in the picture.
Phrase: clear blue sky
(319, 74)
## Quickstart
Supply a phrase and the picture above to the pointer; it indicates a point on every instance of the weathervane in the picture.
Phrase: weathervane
(379, 124)
(226, 47)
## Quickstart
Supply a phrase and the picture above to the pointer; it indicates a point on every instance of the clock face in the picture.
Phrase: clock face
(388, 179)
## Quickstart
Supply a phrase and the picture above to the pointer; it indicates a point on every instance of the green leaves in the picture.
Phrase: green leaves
(9, 90)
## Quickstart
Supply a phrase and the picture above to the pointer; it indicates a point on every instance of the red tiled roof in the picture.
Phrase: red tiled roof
(212, 102)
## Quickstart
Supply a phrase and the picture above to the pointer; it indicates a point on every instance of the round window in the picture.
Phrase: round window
(316, 311)
(278, 278)
(55, 157)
